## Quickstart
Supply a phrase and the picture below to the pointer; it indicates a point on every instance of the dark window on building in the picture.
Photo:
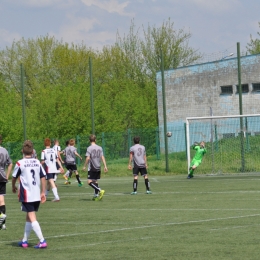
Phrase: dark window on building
(226, 90)
(244, 87)
(256, 87)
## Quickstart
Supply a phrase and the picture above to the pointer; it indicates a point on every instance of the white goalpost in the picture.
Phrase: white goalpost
(232, 142)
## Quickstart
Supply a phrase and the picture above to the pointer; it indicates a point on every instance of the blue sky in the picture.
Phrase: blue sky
(215, 26)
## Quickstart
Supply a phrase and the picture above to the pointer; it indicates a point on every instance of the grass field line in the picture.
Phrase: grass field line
(172, 179)
(143, 227)
(102, 243)
(73, 194)
(235, 227)
(164, 192)
(151, 209)
(168, 192)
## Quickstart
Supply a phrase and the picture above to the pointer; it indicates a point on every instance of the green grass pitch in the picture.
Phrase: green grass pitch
(208, 217)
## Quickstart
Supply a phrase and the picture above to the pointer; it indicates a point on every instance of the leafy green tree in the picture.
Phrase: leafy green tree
(55, 84)
(57, 92)
(145, 52)
(10, 114)
(123, 100)
(253, 46)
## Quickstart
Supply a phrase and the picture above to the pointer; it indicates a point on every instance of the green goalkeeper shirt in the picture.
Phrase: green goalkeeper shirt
(199, 152)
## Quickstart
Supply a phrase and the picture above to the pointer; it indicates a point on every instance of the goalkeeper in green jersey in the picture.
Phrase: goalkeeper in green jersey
(197, 159)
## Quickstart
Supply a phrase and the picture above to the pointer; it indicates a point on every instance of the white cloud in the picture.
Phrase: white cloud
(8, 37)
(41, 3)
(79, 30)
(216, 6)
(215, 25)
(112, 6)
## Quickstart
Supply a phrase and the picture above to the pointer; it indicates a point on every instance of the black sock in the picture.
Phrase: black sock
(147, 184)
(2, 209)
(70, 174)
(135, 184)
(94, 186)
(78, 179)
(96, 191)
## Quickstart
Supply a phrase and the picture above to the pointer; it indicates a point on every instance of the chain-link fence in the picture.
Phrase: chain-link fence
(115, 145)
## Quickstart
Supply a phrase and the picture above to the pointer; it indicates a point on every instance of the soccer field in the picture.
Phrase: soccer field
(208, 217)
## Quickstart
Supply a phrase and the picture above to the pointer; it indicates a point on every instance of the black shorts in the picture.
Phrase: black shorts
(30, 206)
(143, 171)
(66, 165)
(72, 167)
(94, 175)
(2, 188)
(50, 176)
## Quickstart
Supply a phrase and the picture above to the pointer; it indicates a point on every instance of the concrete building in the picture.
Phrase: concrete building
(206, 89)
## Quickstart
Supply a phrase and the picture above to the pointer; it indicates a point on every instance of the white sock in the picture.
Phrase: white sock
(37, 229)
(55, 193)
(67, 173)
(46, 193)
(27, 231)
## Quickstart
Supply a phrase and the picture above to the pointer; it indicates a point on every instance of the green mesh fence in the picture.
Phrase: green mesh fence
(115, 145)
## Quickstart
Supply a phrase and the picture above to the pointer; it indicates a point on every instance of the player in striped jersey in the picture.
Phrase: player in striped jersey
(31, 192)
(138, 158)
(56, 147)
(50, 164)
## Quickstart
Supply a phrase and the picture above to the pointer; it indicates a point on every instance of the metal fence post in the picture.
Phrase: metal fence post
(129, 138)
(103, 143)
(78, 148)
(157, 143)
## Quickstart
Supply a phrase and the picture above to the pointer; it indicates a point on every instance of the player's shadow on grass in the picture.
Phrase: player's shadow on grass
(89, 200)
(14, 244)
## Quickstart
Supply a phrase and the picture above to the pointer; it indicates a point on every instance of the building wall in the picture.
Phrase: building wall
(195, 91)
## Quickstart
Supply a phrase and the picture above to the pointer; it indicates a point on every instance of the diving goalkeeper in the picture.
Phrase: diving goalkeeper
(197, 159)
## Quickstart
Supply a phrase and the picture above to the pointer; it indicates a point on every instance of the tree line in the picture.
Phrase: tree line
(57, 88)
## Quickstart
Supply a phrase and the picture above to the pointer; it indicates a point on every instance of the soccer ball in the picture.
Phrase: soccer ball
(169, 134)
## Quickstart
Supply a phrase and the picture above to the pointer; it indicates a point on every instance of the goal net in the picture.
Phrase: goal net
(232, 143)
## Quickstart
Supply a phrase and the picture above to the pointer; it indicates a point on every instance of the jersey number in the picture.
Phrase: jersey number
(96, 154)
(33, 176)
(2, 159)
(139, 152)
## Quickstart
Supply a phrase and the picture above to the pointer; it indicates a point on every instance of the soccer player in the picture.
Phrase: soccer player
(197, 159)
(94, 155)
(71, 154)
(31, 192)
(66, 175)
(34, 154)
(138, 158)
(50, 165)
(5, 161)
(56, 147)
